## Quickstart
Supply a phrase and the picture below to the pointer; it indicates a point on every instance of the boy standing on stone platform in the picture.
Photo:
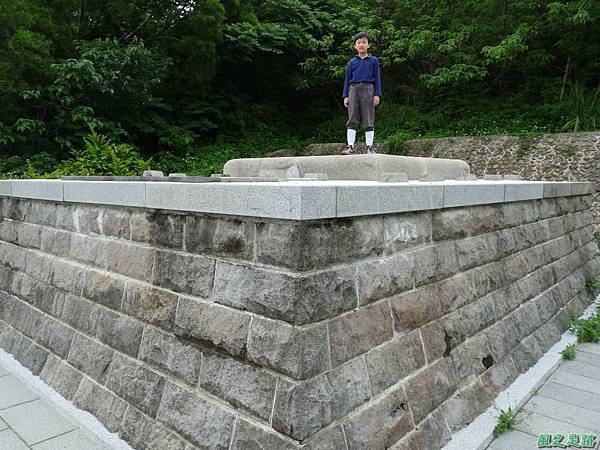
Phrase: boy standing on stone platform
(362, 92)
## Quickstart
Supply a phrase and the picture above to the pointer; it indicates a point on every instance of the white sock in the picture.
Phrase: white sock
(369, 137)
(351, 136)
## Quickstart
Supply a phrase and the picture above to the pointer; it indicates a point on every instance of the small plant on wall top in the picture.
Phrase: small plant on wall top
(587, 330)
(569, 352)
(506, 420)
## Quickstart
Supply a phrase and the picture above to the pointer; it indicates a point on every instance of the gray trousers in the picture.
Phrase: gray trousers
(360, 106)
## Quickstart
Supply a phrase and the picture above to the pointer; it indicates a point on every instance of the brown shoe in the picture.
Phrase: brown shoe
(349, 150)
(370, 149)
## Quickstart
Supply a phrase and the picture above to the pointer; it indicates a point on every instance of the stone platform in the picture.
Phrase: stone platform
(293, 315)
(375, 167)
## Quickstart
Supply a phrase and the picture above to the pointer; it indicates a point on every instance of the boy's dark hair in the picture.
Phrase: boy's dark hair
(362, 35)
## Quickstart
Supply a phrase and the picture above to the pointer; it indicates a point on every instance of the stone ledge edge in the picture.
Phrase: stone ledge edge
(293, 200)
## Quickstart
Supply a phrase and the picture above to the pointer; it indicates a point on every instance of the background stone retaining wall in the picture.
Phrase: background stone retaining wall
(181, 330)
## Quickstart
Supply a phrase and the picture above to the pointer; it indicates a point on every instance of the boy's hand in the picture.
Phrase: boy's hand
(346, 101)
(376, 100)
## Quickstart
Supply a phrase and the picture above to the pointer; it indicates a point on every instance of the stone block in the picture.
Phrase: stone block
(305, 408)
(357, 332)
(108, 408)
(131, 260)
(415, 308)
(557, 189)
(502, 338)
(90, 357)
(180, 272)
(381, 424)
(203, 423)
(499, 377)
(248, 435)
(38, 189)
(358, 199)
(106, 192)
(428, 388)
(26, 351)
(8, 231)
(142, 432)
(433, 263)
(80, 314)
(39, 266)
(298, 299)
(472, 193)
(288, 200)
(212, 325)
(475, 251)
(134, 383)
(89, 250)
(319, 244)
(114, 222)
(29, 235)
(471, 358)
(384, 277)
(450, 224)
(327, 439)
(395, 360)
(222, 236)
(297, 352)
(119, 332)
(55, 242)
(30, 289)
(464, 406)
(412, 441)
(164, 229)
(103, 288)
(55, 336)
(61, 377)
(244, 386)
(484, 218)
(435, 431)
(402, 231)
(525, 190)
(526, 354)
(68, 277)
(149, 304)
(171, 355)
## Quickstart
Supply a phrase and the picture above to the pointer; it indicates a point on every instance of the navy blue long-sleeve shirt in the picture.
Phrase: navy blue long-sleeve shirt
(363, 70)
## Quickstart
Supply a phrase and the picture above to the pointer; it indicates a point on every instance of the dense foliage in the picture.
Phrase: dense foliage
(193, 82)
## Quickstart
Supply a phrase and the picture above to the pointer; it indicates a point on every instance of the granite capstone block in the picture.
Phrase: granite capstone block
(38, 189)
(518, 191)
(400, 197)
(472, 193)
(6, 188)
(105, 192)
(557, 189)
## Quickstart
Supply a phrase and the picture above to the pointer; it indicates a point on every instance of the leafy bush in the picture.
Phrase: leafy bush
(587, 330)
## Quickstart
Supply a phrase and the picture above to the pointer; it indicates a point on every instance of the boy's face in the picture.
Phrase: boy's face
(362, 45)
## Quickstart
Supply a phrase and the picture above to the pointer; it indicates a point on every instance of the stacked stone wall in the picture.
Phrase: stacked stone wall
(182, 330)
